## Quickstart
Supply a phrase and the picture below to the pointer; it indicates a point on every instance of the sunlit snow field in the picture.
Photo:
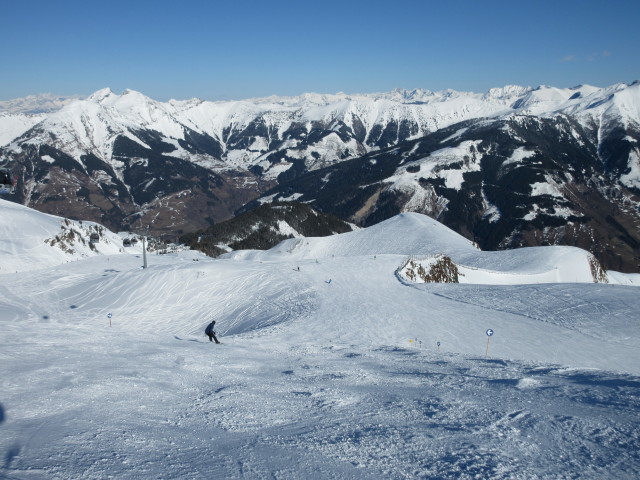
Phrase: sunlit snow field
(330, 367)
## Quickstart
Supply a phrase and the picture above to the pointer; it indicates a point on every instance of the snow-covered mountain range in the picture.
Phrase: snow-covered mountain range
(245, 133)
(177, 166)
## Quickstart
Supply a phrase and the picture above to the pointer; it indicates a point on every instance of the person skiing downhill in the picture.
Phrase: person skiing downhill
(210, 333)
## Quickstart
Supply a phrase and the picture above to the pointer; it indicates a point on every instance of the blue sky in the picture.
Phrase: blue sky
(240, 49)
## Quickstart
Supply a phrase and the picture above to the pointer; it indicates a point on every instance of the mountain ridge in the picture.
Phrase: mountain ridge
(180, 166)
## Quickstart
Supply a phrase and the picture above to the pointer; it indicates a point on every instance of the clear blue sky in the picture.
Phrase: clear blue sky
(239, 49)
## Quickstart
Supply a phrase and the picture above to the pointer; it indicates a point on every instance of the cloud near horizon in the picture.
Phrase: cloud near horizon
(598, 55)
(592, 57)
(569, 58)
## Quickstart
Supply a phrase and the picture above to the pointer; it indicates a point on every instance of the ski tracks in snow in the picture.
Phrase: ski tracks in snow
(391, 412)
(588, 309)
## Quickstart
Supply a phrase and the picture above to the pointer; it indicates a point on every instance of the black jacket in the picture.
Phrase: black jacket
(209, 329)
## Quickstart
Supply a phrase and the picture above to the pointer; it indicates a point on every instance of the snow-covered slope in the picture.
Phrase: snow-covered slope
(405, 234)
(416, 235)
(14, 125)
(330, 366)
(255, 289)
(33, 240)
(43, 240)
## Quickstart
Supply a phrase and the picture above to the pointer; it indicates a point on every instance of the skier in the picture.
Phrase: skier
(210, 333)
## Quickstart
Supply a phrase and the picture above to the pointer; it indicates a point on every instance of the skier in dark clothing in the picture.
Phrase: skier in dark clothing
(210, 333)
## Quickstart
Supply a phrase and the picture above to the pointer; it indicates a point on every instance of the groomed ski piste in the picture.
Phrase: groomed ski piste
(332, 365)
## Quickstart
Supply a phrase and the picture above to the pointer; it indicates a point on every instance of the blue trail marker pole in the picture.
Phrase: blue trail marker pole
(109, 317)
(489, 333)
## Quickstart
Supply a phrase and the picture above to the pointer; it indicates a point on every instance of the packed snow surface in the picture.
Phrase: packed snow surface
(330, 367)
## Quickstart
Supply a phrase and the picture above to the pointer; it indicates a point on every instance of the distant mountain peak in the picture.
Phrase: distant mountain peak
(100, 95)
(413, 94)
(37, 104)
